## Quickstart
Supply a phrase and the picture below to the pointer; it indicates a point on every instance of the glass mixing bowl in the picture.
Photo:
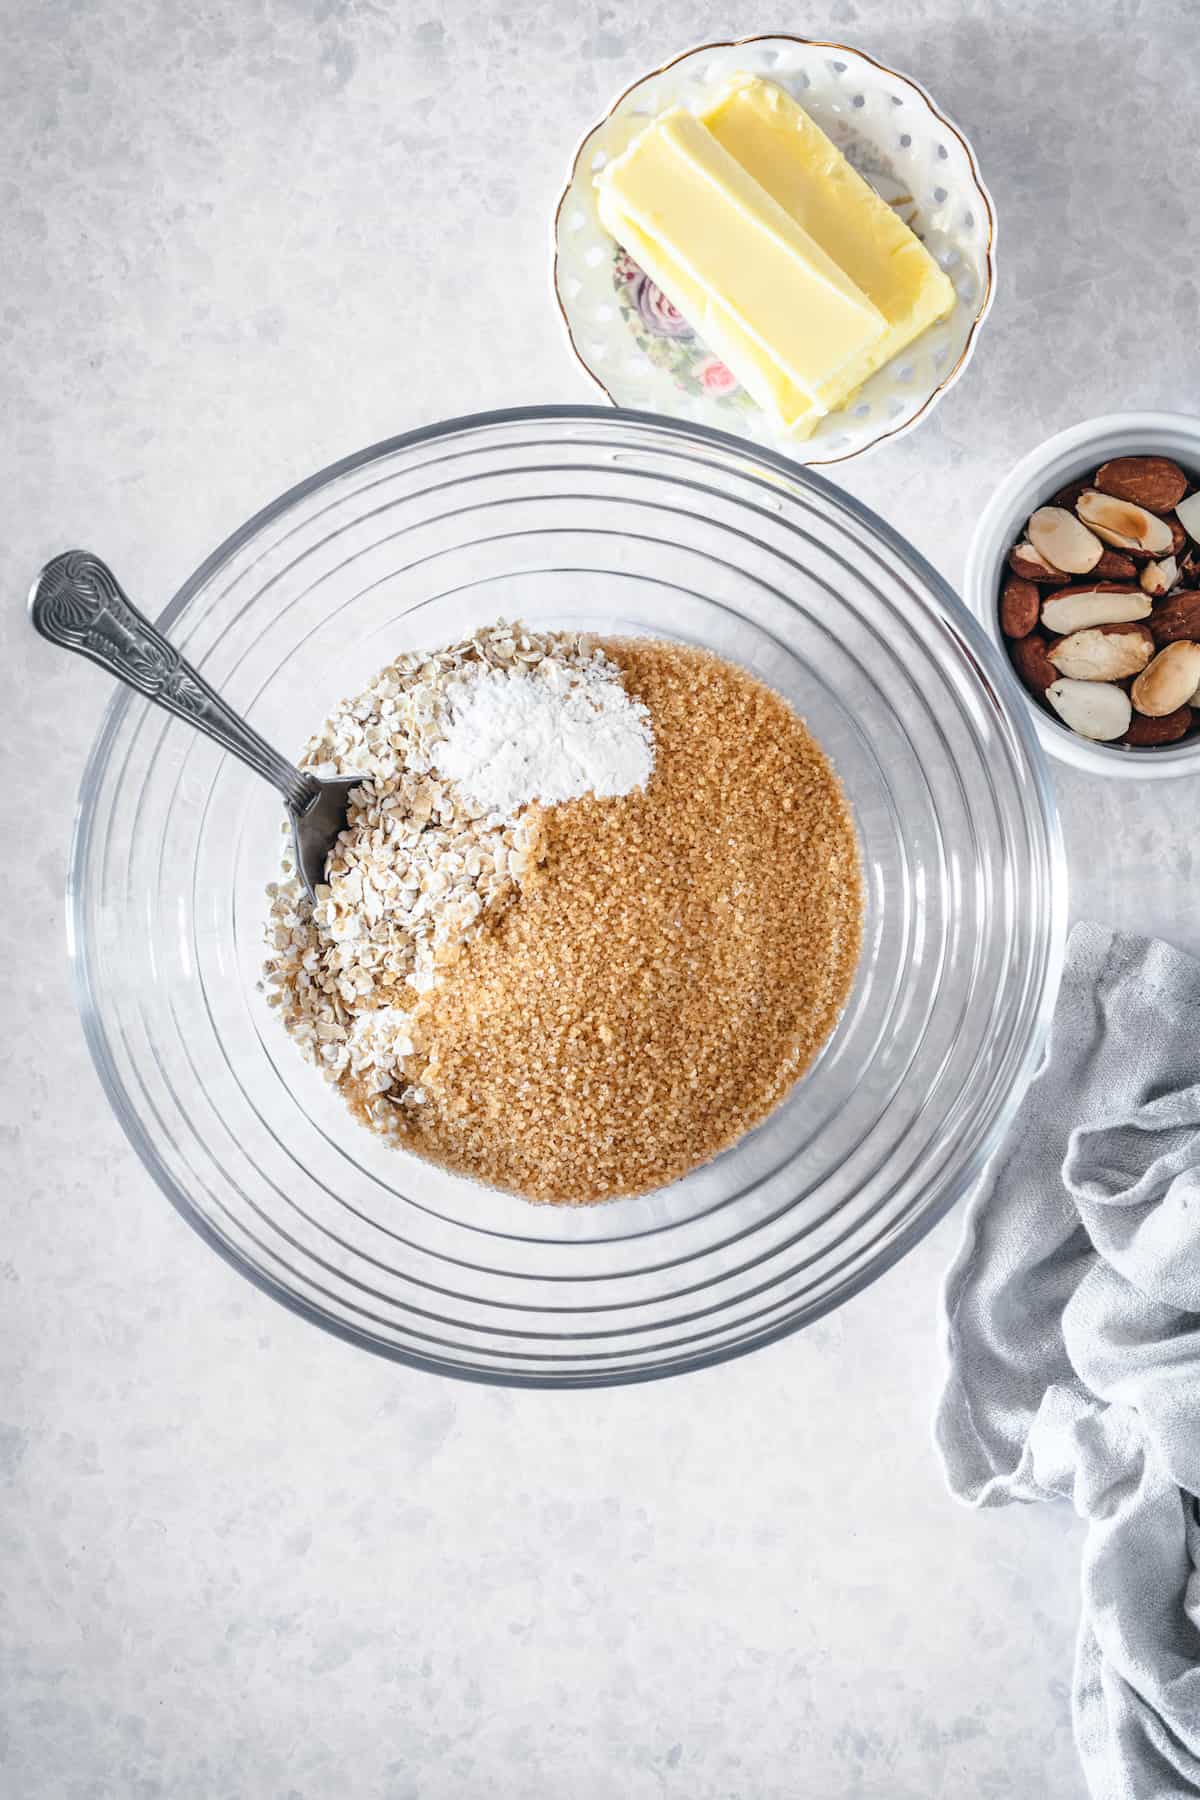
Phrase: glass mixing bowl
(622, 523)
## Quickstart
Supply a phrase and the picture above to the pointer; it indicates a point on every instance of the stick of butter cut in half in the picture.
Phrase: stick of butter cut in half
(758, 288)
(776, 142)
(787, 263)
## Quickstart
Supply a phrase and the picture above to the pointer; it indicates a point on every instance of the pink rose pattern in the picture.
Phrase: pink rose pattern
(660, 316)
(667, 338)
(715, 378)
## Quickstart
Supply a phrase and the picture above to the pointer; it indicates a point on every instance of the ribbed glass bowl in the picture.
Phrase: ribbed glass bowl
(622, 523)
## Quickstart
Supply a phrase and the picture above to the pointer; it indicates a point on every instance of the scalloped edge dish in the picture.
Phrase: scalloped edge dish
(640, 353)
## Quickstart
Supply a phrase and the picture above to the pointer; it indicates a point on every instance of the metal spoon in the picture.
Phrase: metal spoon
(77, 602)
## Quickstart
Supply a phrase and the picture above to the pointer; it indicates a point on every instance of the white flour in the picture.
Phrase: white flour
(550, 733)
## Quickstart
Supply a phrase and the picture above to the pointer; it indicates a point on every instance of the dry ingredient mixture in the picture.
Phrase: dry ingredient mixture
(597, 906)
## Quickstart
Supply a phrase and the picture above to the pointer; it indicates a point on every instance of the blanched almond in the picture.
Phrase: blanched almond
(1066, 544)
(1188, 514)
(1030, 565)
(1169, 682)
(1094, 709)
(1104, 603)
(1107, 653)
(1160, 577)
(1124, 525)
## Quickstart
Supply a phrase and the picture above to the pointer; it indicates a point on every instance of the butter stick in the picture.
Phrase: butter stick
(776, 143)
(749, 277)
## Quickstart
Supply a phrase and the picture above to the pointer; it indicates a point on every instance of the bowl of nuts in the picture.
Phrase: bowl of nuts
(1085, 570)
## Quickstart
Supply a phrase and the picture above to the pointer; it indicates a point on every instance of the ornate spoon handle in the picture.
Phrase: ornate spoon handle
(77, 602)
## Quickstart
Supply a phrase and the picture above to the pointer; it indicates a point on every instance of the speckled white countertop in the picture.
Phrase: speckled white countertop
(238, 1558)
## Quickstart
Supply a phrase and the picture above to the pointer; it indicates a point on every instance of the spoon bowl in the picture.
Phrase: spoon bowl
(316, 829)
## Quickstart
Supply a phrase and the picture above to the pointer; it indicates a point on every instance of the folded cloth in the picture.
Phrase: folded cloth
(1072, 1326)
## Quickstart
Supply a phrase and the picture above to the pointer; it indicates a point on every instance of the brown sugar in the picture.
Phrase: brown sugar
(679, 961)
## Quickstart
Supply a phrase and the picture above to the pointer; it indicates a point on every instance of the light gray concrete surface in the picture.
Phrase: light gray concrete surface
(240, 238)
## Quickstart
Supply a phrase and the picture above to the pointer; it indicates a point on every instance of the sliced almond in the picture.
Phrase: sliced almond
(1104, 603)
(1124, 525)
(1188, 514)
(1094, 709)
(1030, 565)
(1154, 482)
(1106, 653)
(1065, 543)
(1169, 682)
(1160, 577)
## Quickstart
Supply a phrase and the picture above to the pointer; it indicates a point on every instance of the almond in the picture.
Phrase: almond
(1105, 653)
(1188, 514)
(1097, 603)
(1169, 682)
(1115, 567)
(1094, 709)
(1178, 535)
(1153, 482)
(1189, 569)
(1177, 618)
(1159, 577)
(1020, 604)
(1122, 524)
(1025, 562)
(1065, 543)
(1144, 731)
(1067, 496)
(1031, 662)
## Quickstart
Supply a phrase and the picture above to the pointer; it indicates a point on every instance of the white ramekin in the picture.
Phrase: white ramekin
(1063, 458)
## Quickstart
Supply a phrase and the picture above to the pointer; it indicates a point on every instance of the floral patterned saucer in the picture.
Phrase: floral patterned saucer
(643, 353)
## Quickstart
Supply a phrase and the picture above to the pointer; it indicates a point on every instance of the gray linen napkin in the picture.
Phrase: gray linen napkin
(1072, 1325)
